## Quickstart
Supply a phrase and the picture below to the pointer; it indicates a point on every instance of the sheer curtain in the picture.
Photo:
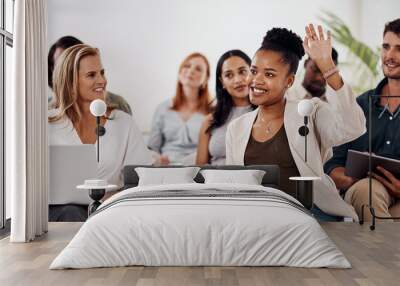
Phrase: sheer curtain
(26, 123)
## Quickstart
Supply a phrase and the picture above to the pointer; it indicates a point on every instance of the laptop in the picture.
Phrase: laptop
(70, 166)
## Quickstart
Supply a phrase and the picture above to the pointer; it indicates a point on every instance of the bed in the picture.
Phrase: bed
(201, 224)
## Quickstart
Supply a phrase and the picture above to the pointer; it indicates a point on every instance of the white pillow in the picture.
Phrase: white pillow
(249, 177)
(166, 176)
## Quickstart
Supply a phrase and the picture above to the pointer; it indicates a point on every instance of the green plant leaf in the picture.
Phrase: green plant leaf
(342, 34)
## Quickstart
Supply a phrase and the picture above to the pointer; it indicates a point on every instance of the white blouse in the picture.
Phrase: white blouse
(122, 144)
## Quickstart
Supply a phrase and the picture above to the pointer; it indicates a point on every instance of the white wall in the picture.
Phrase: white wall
(143, 42)
(374, 16)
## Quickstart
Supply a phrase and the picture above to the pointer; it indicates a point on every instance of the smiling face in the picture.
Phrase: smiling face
(390, 55)
(193, 73)
(233, 77)
(91, 79)
(269, 78)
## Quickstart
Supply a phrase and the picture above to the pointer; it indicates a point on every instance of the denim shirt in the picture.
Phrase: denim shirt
(385, 131)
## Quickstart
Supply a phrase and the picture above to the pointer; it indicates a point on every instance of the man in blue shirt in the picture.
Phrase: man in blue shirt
(385, 137)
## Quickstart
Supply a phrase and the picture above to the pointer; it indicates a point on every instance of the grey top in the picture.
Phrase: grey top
(216, 145)
(170, 135)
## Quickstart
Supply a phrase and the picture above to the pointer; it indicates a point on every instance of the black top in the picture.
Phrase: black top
(274, 151)
(385, 131)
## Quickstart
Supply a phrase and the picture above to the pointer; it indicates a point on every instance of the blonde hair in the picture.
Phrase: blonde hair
(204, 95)
(65, 82)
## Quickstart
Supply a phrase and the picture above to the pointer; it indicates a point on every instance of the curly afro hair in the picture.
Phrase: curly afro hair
(289, 44)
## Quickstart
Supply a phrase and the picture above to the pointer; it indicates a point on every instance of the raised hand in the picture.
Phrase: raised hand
(318, 46)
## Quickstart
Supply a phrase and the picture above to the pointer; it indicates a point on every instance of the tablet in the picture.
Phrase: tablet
(357, 164)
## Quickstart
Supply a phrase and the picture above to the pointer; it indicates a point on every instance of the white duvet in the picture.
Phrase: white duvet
(200, 231)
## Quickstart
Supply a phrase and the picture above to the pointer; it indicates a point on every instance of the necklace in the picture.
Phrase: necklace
(268, 127)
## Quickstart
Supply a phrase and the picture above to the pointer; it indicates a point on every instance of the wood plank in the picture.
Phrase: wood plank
(375, 257)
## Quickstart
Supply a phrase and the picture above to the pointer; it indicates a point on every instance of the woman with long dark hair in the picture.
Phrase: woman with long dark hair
(232, 94)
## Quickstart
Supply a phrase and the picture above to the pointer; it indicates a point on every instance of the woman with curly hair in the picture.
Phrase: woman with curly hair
(270, 134)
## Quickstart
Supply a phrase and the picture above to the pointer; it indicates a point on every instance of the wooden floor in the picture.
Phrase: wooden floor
(375, 257)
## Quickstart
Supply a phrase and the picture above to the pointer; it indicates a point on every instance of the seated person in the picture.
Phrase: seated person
(314, 83)
(176, 123)
(79, 78)
(269, 134)
(112, 100)
(232, 93)
(385, 137)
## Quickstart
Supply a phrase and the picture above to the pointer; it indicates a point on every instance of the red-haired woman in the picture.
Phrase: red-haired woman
(177, 122)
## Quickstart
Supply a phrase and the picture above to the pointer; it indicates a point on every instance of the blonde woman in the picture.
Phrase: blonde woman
(79, 78)
(63, 43)
(177, 122)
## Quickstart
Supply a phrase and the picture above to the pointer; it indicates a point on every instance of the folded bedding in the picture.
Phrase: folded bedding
(201, 225)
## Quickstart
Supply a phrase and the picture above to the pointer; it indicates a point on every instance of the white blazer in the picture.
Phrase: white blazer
(332, 123)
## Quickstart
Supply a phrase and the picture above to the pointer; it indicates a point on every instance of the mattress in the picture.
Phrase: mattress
(201, 225)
